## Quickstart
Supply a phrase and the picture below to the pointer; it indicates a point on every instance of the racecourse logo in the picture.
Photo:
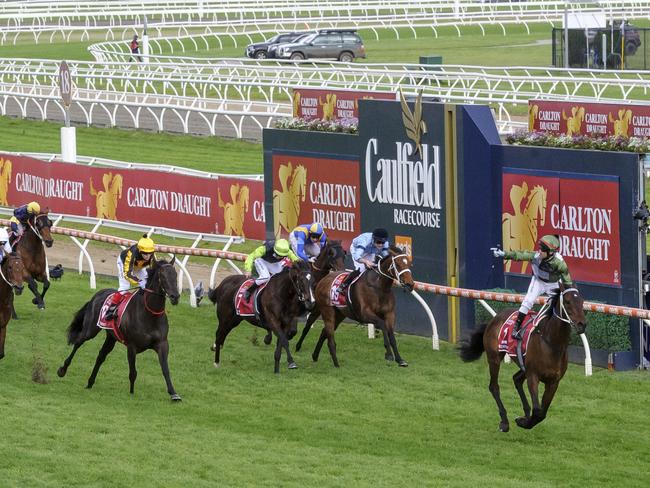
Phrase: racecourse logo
(235, 211)
(520, 229)
(5, 180)
(106, 200)
(286, 201)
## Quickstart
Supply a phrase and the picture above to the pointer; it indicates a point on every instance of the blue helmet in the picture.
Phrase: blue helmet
(315, 230)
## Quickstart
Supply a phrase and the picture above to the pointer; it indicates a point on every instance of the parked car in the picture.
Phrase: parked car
(342, 44)
(273, 48)
(632, 38)
(260, 50)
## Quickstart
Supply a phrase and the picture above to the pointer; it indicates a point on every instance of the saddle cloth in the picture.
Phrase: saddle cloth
(509, 345)
(246, 308)
(123, 298)
(337, 299)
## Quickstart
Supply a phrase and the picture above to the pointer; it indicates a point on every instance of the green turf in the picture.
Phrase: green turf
(368, 423)
(213, 154)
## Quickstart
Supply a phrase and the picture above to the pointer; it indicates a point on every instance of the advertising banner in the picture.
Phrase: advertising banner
(316, 189)
(337, 105)
(577, 118)
(584, 212)
(221, 205)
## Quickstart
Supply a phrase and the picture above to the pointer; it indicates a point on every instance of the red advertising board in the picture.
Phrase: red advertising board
(229, 206)
(577, 118)
(339, 105)
(307, 189)
(583, 212)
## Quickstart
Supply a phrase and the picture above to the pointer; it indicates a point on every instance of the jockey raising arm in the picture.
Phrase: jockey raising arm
(132, 264)
(22, 215)
(270, 258)
(549, 269)
(5, 248)
(307, 240)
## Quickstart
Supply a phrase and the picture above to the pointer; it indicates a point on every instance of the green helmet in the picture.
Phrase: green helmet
(549, 243)
(281, 247)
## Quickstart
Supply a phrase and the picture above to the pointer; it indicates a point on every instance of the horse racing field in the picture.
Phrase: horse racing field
(368, 423)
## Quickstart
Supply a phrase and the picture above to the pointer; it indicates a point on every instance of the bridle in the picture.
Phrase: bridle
(302, 296)
(564, 315)
(4, 278)
(34, 227)
(153, 292)
(396, 273)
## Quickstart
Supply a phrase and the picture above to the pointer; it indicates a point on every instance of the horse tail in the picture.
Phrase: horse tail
(213, 295)
(472, 348)
(77, 325)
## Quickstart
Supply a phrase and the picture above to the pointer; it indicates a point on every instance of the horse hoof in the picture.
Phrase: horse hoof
(292, 366)
(60, 372)
(216, 365)
(176, 397)
(389, 357)
(213, 347)
(523, 422)
(402, 363)
(504, 426)
(2, 355)
(34, 301)
(267, 339)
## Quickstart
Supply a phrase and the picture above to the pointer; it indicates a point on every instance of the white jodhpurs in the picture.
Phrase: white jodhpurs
(265, 270)
(124, 283)
(536, 288)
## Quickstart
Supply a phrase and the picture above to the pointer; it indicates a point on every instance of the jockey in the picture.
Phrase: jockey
(364, 250)
(307, 240)
(22, 215)
(5, 248)
(270, 258)
(549, 268)
(132, 264)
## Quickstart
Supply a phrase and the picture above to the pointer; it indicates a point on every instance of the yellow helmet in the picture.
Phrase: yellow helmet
(145, 244)
(281, 247)
(33, 207)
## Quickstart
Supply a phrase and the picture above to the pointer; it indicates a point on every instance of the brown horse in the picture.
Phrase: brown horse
(31, 248)
(546, 358)
(144, 324)
(372, 302)
(286, 296)
(11, 278)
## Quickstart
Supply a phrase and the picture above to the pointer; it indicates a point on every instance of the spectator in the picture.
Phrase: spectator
(135, 48)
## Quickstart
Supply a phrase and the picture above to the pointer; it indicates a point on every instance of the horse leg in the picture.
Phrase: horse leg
(64, 368)
(33, 287)
(547, 398)
(3, 334)
(107, 347)
(536, 417)
(494, 362)
(310, 321)
(284, 340)
(133, 373)
(518, 379)
(46, 286)
(223, 330)
(14, 315)
(163, 351)
(319, 345)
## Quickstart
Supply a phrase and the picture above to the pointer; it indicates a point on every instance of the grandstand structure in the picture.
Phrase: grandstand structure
(171, 91)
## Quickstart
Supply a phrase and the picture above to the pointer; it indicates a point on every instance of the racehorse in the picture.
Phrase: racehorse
(546, 357)
(285, 297)
(11, 278)
(30, 248)
(143, 325)
(372, 302)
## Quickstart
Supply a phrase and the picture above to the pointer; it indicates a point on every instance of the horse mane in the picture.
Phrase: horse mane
(395, 249)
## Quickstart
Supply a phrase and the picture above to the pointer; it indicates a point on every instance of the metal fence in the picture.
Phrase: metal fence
(624, 48)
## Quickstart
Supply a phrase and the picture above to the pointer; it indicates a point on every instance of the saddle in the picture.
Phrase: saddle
(121, 299)
(247, 308)
(509, 345)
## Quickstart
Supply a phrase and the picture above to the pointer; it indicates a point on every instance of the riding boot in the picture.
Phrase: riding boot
(348, 279)
(516, 332)
(248, 293)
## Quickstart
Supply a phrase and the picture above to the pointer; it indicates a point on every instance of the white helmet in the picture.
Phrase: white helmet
(4, 236)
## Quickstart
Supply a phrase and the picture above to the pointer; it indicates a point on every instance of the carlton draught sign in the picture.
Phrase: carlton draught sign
(338, 105)
(316, 189)
(231, 206)
(584, 212)
(576, 118)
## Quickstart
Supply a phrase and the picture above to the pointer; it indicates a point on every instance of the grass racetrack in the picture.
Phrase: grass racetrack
(368, 423)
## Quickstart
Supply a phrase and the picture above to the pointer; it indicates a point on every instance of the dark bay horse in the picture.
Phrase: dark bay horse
(546, 358)
(372, 302)
(11, 278)
(144, 324)
(331, 258)
(31, 247)
(285, 297)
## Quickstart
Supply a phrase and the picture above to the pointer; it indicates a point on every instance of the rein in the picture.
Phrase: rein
(396, 273)
(164, 294)
(4, 278)
(564, 315)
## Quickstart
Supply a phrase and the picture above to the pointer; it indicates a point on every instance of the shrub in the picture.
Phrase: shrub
(610, 143)
(610, 332)
(343, 126)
